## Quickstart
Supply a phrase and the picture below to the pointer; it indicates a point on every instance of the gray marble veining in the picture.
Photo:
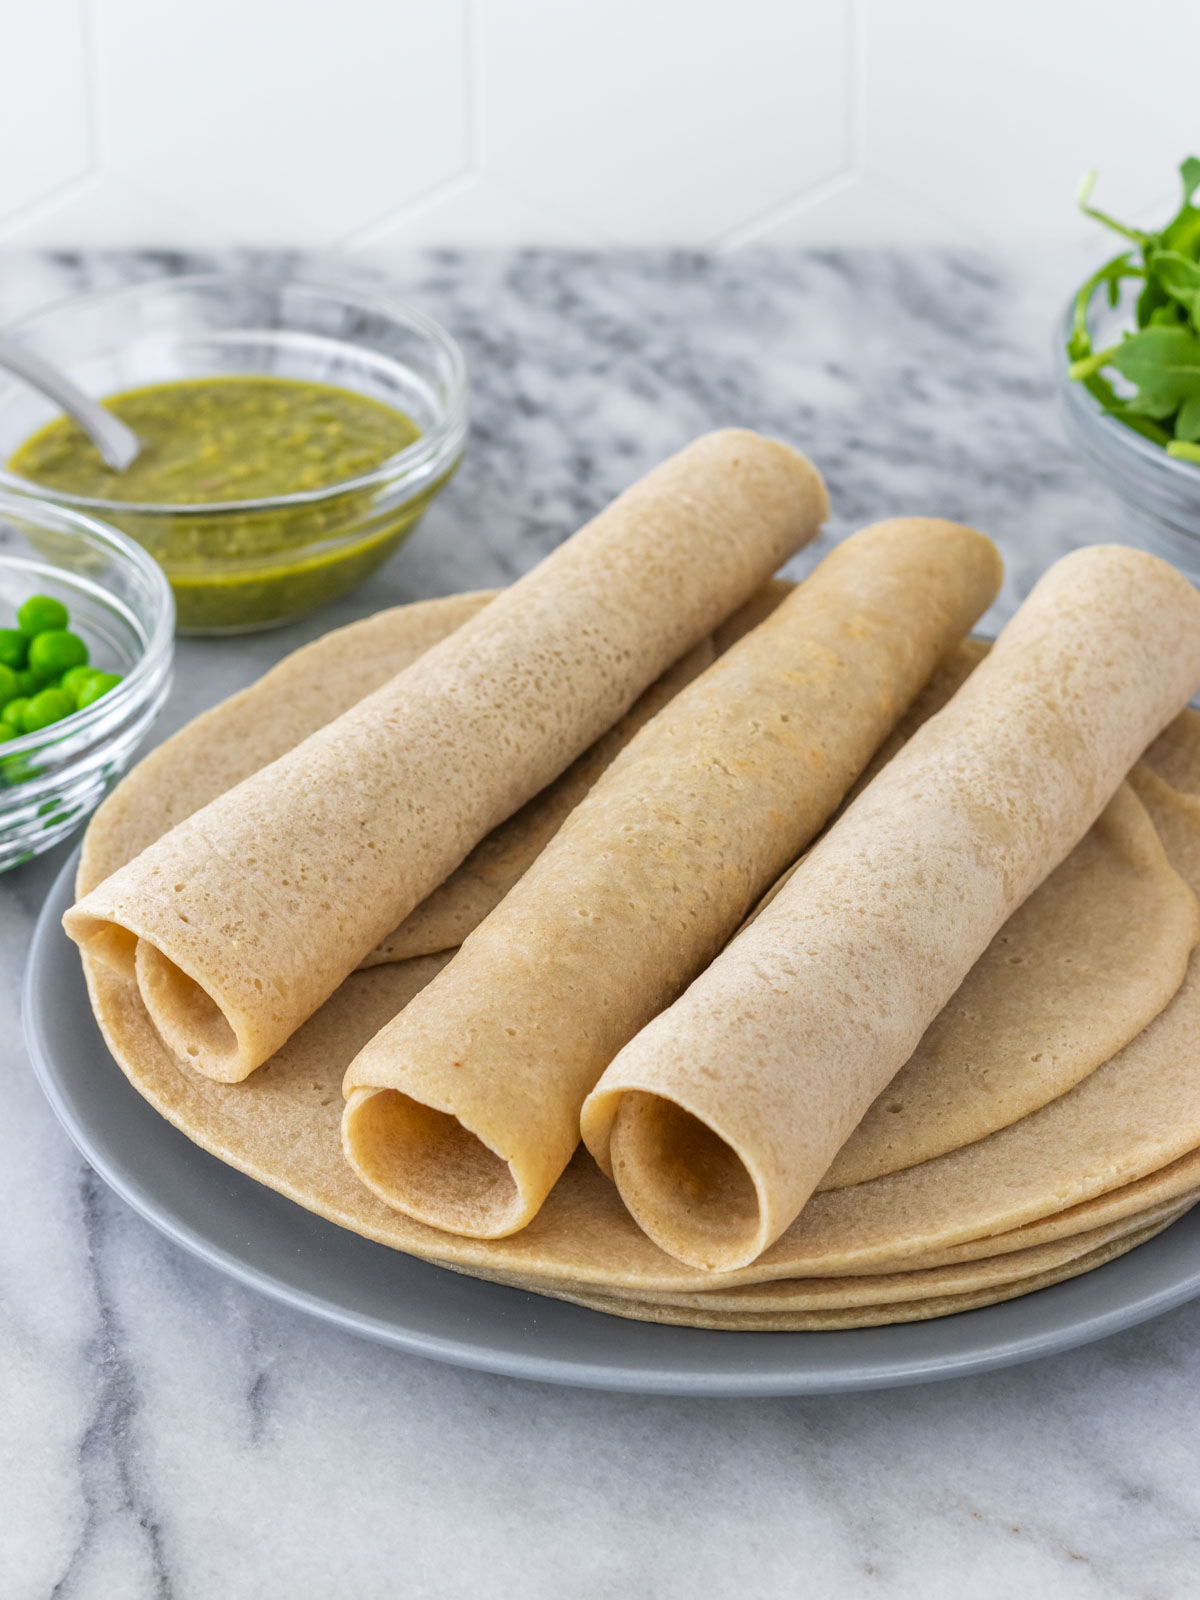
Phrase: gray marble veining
(165, 1433)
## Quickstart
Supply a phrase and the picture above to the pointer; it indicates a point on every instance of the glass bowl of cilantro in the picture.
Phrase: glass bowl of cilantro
(86, 646)
(1131, 389)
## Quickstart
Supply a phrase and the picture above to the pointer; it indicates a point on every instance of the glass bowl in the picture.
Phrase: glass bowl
(120, 603)
(1158, 496)
(240, 565)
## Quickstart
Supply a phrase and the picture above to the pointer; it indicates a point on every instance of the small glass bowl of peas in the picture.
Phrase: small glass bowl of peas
(86, 644)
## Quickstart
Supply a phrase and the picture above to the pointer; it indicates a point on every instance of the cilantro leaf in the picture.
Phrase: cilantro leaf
(1160, 356)
(1163, 362)
(1180, 278)
(1187, 423)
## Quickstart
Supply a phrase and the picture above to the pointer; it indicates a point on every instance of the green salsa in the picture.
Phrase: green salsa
(207, 442)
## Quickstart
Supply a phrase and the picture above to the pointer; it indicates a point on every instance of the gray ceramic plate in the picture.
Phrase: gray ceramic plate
(275, 1246)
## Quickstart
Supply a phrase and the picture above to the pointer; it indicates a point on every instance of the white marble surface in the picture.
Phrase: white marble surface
(166, 1434)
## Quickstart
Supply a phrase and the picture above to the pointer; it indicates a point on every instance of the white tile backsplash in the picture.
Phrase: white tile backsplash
(675, 120)
(377, 125)
(993, 111)
(47, 114)
(296, 120)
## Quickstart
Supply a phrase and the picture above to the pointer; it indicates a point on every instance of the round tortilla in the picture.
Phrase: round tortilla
(1129, 1120)
(829, 1321)
(959, 1086)
(1058, 1176)
(847, 1293)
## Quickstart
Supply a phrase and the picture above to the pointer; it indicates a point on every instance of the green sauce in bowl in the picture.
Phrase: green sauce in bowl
(216, 454)
(208, 440)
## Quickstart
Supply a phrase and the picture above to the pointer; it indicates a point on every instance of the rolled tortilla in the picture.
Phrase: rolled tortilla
(720, 1118)
(255, 726)
(455, 908)
(1052, 1017)
(458, 906)
(311, 687)
(465, 1110)
(244, 918)
(1125, 1138)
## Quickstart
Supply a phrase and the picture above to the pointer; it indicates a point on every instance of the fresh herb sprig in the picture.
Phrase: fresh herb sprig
(1162, 357)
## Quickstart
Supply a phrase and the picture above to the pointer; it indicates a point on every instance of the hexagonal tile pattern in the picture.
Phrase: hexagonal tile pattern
(993, 112)
(853, 211)
(297, 122)
(665, 122)
(480, 212)
(107, 213)
(380, 124)
(44, 105)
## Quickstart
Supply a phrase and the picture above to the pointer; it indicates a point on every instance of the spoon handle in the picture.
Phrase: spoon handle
(118, 444)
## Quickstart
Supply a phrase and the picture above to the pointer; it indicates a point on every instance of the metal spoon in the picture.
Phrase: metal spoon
(118, 444)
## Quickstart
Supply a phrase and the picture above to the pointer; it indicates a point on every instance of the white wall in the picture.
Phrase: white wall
(380, 124)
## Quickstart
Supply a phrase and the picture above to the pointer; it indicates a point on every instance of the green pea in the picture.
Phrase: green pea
(28, 681)
(9, 687)
(13, 715)
(40, 612)
(51, 705)
(98, 684)
(13, 645)
(74, 679)
(6, 733)
(55, 651)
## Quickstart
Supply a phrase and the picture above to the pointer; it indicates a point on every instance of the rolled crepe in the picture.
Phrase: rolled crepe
(1054, 1012)
(244, 918)
(720, 1118)
(465, 1110)
(316, 683)
(1125, 1138)
(458, 906)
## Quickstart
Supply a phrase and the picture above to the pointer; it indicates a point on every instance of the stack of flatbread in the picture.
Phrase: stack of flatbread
(688, 944)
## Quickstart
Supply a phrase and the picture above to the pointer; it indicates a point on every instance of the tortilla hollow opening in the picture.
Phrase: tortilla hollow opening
(684, 1184)
(189, 1021)
(111, 944)
(426, 1163)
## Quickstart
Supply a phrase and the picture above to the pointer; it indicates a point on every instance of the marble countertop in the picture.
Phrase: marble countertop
(167, 1434)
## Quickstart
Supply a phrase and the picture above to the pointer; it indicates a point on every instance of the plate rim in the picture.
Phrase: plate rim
(49, 945)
